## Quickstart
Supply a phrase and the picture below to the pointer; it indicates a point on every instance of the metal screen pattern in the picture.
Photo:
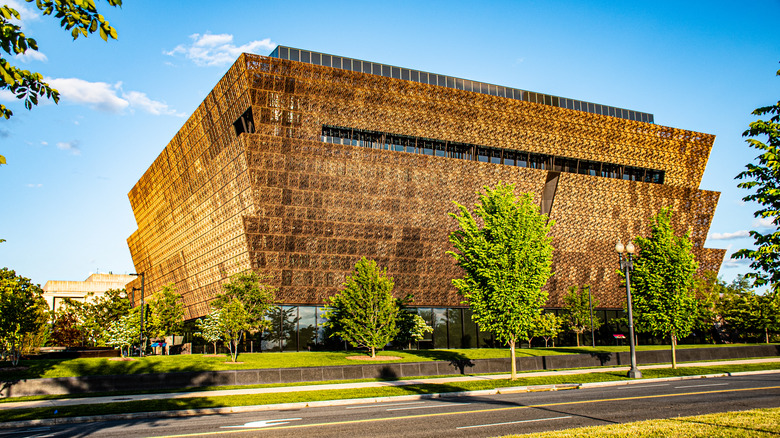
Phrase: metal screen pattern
(278, 199)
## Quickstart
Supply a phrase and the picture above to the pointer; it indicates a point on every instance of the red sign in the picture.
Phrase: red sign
(619, 336)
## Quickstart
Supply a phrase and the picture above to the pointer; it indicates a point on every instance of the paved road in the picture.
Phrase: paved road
(466, 416)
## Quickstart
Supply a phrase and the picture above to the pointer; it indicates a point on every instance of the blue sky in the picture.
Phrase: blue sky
(64, 212)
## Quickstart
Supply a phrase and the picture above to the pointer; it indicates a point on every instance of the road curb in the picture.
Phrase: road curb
(355, 401)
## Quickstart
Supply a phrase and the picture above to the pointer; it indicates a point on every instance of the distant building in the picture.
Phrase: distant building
(54, 291)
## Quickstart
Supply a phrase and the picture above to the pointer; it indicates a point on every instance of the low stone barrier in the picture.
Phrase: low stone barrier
(389, 371)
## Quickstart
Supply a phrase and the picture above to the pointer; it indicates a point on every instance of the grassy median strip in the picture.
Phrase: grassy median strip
(309, 396)
(753, 423)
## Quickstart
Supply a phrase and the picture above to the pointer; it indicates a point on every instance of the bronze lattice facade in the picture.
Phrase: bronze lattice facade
(298, 170)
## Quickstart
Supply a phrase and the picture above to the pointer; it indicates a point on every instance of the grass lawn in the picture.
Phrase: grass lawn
(46, 368)
(754, 423)
(307, 396)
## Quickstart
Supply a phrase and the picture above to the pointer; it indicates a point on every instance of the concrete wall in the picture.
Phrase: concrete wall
(70, 385)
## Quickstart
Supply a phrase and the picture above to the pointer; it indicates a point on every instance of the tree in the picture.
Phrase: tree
(747, 313)
(548, 325)
(763, 179)
(244, 303)
(80, 17)
(22, 312)
(708, 289)
(411, 327)
(662, 282)
(210, 328)
(167, 313)
(65, 330)
(96, 313)
(364, 313)
(123, 332)
(505, 262)
(577, 311)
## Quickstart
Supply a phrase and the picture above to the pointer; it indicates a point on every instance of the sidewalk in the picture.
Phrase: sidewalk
(285, 389)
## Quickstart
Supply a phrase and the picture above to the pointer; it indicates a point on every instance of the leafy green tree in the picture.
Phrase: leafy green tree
(123, 332)
(167, 313)
(664, 300)
(233, 323)
(577, 311)
(707, 288)
(244, 303)
(411, 328)
(364, 313)
(97, 312)
(746, 313)
(547, 326)
(505, 262)
(23, 312)
(763, 179)
(80, 17)
(210, 329)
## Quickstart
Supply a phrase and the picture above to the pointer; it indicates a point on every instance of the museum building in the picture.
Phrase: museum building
(300, 163)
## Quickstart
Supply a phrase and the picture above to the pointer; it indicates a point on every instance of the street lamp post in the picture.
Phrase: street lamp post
(592, 334)
(141, 345)
(627, 265)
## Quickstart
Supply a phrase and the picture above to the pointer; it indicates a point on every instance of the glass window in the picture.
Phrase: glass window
(336, 62)
(590, 168)
(307, 327)
(450, 82)
(427, 147)
(405, 74)
(440, 149)
(441, 80)
(483, 155)
(522, 159)
(284, 53)
(486, 340)
(386, 71)
(458, 84)
(455, 328)
(495, 156)
(415, 75)
(294, 54)
(538, 161)
(469, 330)
(396, 72)
(326, 60)
(423, 77)
(440, 328)
(376, 69)
(271, 336)
(305, 56)
(321, 320)
(427, 315)
(289, 334)
(315, 58)
(509, 158)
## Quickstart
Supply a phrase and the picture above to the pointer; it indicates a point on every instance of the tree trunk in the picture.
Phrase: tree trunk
(215, 348)
(674, 351)
(514, 365)
(578, 339)
(373, 352)
(766, 335)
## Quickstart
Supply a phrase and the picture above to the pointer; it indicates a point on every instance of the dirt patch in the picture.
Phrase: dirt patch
(213, 355)
(234, 363)
(122, 359)
(369, 358)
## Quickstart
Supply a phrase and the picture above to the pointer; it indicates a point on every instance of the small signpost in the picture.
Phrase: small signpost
(619, 337)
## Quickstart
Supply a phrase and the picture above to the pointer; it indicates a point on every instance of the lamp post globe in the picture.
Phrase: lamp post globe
(627, 265)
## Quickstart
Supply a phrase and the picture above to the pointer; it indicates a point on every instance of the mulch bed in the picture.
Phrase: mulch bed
(369, 358)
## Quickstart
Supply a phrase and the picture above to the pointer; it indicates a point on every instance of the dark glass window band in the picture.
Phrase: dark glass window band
(485, 154)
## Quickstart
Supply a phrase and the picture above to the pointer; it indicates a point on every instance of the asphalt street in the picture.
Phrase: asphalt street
(493, 415)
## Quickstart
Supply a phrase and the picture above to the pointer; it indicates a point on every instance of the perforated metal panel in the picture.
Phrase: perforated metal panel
(276, 197)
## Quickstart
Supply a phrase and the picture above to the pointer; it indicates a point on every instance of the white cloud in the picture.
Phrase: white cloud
(728, 236)
(734, 263)
(35, 186)
(212, 50)
(96, 95)
(105, 97)
(764, 222)
(26, 13)
(141, 101)
(70, 146)
(31, 55)
(7, 96)
(45, 143)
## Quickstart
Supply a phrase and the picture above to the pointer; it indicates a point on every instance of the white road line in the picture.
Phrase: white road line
(641, 386)
(514, 422)
(264, 423)
(699, 386)
(427, 407)
(382, 405)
